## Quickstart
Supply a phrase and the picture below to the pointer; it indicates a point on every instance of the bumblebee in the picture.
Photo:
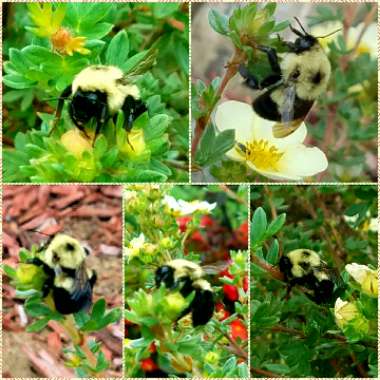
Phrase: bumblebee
(187, 277)
(305, 267)
(99, 92)
(294, 84)
(68, 280)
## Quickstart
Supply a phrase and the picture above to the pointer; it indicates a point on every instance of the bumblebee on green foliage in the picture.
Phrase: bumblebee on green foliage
(305, 267)
(294, 84)
(68, 280)
(99, 92)
(187, 277)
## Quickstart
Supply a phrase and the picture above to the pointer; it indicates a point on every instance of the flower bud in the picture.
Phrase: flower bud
(134, 146)
(212, 358)
(175, 303)
(75, 143)
(30, 276)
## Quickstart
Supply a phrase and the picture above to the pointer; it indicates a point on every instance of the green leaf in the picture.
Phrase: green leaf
(100, 147)
(182, 55)
(98, 31)
(164, 10)
(38, 325)
(98, 309)
(258, 225)
(357, 208)
(112, 317)
(9, 271)
(272, 256)
(101, 363)
(218, 22)
(17, 81)
(81, 318)
(134, 61)
(276, 225)
(224, 142)
(35, 309)
(118, 49)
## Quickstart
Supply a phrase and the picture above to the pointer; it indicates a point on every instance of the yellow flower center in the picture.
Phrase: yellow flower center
(261, 153)
(363, 48)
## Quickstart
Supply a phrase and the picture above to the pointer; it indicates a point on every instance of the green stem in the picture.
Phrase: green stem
(201, 123)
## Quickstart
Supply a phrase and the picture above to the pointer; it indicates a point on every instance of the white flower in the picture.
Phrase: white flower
(276, 158)
(180, 207)
(365, 277)
(368, 42)
(135, 246)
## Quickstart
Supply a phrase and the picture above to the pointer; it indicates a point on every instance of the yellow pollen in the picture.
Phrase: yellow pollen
(263, 155)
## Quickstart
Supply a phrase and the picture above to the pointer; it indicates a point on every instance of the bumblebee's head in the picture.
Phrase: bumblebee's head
(165, 274)
(86, 105)
(305, 41)
(64, 251)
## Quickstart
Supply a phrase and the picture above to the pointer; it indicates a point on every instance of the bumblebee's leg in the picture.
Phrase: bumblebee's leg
(132, 109)
(101, 121)
(272, 58)
(252, 82)
(64, 95)
(249, 79)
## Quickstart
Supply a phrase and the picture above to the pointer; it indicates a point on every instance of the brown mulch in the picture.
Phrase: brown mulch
(91, 214)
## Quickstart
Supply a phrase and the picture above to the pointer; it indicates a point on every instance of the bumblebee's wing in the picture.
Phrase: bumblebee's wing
(82, 287)
(288, 124)
(293, 112)
(287, 111)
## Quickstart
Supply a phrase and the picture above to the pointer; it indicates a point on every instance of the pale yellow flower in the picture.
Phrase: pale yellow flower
(345, 312)
(365, 277)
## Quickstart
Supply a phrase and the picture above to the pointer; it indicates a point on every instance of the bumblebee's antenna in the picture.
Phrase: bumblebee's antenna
(330, 34)
(299, 23)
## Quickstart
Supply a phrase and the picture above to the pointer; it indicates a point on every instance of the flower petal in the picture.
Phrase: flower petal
(277, 176)
(235, 115)
(263, 131)
(300, 160)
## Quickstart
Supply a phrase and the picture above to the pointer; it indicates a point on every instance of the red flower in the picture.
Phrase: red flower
(148, 365)
(231, 292)
(245, 284)
(183, 222)
(196, 236)
(222, 312)
(207, 221)
(238, 330)
(241, 236)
